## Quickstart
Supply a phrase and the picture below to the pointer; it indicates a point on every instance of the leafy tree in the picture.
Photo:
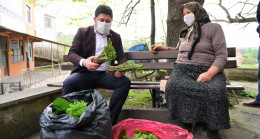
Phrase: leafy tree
(251, 56)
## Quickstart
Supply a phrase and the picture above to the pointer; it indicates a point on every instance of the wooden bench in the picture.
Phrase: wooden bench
(154, 86)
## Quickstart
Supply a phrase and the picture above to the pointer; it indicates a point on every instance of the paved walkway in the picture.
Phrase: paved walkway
(244, 120)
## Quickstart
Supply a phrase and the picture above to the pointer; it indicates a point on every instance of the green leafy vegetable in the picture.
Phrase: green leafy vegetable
(60, 106)
(77, 108)
(107, 55)
(138, 135)
(127, 66)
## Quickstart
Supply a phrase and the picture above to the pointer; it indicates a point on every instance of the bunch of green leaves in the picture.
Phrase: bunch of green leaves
(127, 66)
(59, 106)
(62, 106)
(77, 108)
(107, 55)
(138, 135)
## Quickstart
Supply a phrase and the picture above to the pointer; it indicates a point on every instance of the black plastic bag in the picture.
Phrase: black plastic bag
(94, 123)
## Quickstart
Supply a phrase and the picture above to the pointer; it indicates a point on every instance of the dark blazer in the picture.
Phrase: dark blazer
(258, 18)
(84, 46)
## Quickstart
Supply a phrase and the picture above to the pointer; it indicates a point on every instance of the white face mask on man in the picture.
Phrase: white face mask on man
(189, 19)
(103, 28)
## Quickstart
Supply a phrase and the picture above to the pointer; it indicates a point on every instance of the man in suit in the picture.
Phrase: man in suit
(87, 44)
(256, 102)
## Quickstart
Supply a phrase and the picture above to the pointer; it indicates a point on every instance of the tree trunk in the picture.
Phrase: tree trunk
(174, 21)
(152, 23)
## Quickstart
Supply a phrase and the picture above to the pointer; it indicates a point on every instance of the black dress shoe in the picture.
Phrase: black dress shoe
(252, 104)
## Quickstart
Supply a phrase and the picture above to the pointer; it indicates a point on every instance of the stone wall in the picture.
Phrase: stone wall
(242, 74)
(39, 61)
(20, 111)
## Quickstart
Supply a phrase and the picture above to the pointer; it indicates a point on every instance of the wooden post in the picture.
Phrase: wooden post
(30, 73)
(59, 69)
(0, 75)
(52, 61)
(152, 23)
(22, 79)
(233, 92)
(1, 92)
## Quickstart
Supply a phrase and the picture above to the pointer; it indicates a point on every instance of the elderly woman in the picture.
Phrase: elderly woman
(196, 89)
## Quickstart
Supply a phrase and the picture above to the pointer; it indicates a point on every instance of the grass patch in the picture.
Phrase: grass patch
(44, 69)
(248, 66)
(247, 94)
(55, 60)
(138, 100)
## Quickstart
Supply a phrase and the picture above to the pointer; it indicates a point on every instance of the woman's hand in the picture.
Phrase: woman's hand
(119, 74)
(204, 77)
(89, 64)
(207, 76)
(155, 48)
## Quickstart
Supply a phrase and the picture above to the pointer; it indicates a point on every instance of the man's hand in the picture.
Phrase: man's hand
(89, 64)
(155, 48)
(119, 74)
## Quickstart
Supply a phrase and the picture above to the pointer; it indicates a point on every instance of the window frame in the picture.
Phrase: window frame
(28, 17)
(18, 54)
(49, 24)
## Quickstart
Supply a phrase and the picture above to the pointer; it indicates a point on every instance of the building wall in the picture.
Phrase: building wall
(50, 31)
(43, 31)
(29, 27)
(2, 73)
(11, 15)
(16, 68)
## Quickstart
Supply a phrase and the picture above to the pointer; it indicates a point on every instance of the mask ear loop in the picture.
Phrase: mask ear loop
(190, 31)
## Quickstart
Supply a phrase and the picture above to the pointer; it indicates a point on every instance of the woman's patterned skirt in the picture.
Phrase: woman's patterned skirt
(190, 101)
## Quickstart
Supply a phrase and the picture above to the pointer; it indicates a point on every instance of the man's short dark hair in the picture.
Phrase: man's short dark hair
(104, 9)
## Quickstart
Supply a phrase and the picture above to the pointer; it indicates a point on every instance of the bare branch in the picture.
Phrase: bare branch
(128, 12)
(218, 20)
(242, 9)
(242, 19)
(225, 10)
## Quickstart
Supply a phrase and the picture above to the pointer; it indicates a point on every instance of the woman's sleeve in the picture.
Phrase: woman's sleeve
(219, 46)
(177, 46)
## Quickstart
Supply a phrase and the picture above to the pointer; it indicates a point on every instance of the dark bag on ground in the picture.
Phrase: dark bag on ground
(94, 123)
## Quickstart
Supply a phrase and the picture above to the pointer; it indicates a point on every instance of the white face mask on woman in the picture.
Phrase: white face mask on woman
(103, 28)
(189, 19)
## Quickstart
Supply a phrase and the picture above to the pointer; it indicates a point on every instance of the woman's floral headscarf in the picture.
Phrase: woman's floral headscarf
(201, 16)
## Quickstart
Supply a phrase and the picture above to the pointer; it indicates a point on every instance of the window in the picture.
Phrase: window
(18, 53)
(3, 57)
(29, 51)
(28, 14)
(47, 22)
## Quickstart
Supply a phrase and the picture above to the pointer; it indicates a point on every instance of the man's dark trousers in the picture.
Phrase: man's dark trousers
(99, 79)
